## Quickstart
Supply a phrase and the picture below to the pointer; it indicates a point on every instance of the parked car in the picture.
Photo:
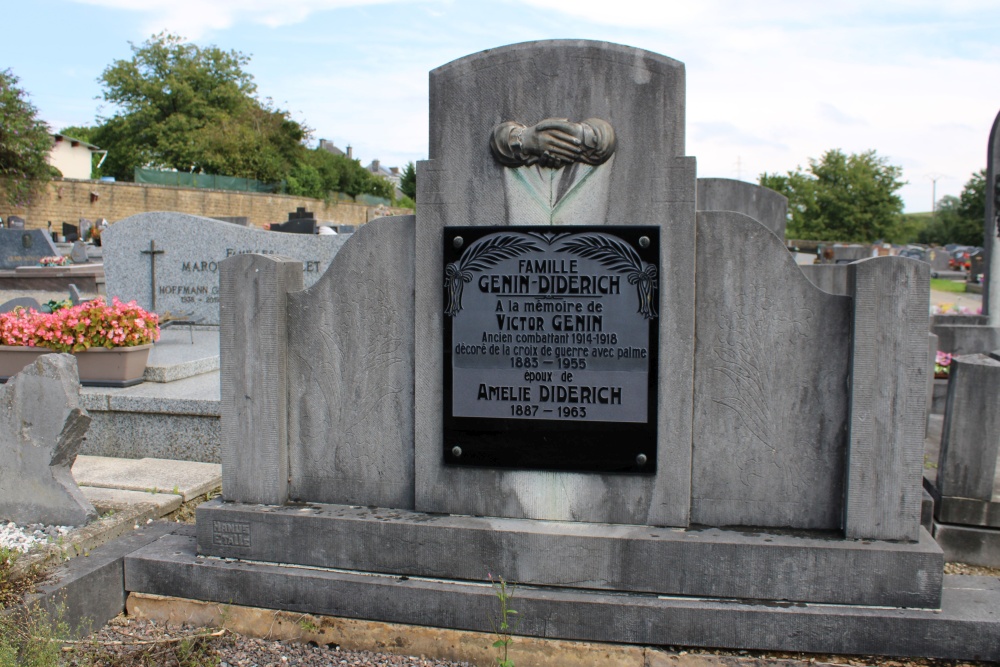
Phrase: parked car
(914, 252)
(960, 258)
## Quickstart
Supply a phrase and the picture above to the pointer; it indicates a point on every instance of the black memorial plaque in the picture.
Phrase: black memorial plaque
(550, 347)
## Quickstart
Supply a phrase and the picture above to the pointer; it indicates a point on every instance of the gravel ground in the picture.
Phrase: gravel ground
(126, 641)
(23, 538)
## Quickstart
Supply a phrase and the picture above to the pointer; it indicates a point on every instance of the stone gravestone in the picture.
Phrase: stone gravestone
(977, 266)
(548, 374)
(70, 232)
(967, 485)
(78, 253)
(299, 221)
(15, 222)
(85, 227)
(43, 429)
(991, 230)
(768, 207)
(20, 247)
(169, 262)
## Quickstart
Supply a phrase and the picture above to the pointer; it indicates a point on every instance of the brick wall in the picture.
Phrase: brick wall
(68, 200)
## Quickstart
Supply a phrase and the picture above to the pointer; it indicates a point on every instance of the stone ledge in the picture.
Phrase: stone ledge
(438, 643)
(709, 563)
(968, 511)
(966, 627)
(969, 544)
(86, 593)
(198, 395)
(185, 479)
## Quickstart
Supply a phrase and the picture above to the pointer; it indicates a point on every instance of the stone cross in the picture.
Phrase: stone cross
(152, 252)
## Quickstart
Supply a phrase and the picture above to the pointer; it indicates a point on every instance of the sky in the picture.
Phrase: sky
(770, 85)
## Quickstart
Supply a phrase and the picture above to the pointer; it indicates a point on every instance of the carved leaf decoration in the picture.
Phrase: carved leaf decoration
(482, 254)
(493, 250)
(611, 253)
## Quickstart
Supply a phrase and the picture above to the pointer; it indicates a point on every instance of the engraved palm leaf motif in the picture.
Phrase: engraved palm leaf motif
(750, 349)
(620, 257)
(483, 254)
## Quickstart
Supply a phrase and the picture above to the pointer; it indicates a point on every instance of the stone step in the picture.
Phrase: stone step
(174, 420)
(966, 627)
(186, 479)
(183, 351)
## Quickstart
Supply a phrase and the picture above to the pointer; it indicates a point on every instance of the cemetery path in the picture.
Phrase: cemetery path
(943, 299)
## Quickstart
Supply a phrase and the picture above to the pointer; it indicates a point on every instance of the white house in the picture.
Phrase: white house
(72, 156)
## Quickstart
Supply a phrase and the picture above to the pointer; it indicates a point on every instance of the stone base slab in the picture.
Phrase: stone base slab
(707, 563)
(968, 511)
(175, 420)
(966, 627)
(969, 544)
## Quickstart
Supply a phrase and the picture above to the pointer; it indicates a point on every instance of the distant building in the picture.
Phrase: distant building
(72, 156)
(330, 148)
(391, 174)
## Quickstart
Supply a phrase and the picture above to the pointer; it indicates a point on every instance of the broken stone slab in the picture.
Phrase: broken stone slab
(42, 427)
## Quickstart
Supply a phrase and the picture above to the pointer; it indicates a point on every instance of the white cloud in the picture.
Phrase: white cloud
(194, 18)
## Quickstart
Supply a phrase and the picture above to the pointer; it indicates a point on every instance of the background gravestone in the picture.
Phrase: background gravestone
(764, 205)
(186, 250)
(43, 427)
(70, 232)
(991, 230)
(20, 247)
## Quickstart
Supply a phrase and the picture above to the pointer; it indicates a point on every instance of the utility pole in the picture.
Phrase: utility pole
(934, 179)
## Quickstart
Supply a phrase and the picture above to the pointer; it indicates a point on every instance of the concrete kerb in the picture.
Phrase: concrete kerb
(85, 593)
(408, 640)
(82, 541)
(965, 627)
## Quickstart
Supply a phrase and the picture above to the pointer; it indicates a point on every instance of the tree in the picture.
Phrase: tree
(319, 173)
(180, 106)
(24, 144)
(842, 197)
(959, 219)
(408, 181)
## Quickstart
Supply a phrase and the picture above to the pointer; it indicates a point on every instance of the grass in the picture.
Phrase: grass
(943, 285)
(13, 589)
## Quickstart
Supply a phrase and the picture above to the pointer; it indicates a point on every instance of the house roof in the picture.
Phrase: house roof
(76, 142)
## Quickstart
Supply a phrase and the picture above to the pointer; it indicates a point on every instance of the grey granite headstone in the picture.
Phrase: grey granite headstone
(831, 278)
(26, 302)
(21, 247)
(647, 181)
(350, 342)
(43, 427)
(970, 439)
(764, 205)
(888, 398)
(78, 254)
(188, 252)
(772, 360)
(240, 220)
(254, 376)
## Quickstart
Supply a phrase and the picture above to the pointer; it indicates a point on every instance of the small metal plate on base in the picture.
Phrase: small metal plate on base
(550, 347)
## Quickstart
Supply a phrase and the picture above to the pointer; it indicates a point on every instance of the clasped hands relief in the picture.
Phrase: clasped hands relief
(553, 143)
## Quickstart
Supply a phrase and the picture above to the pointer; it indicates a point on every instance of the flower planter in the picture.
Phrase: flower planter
(98, 366)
